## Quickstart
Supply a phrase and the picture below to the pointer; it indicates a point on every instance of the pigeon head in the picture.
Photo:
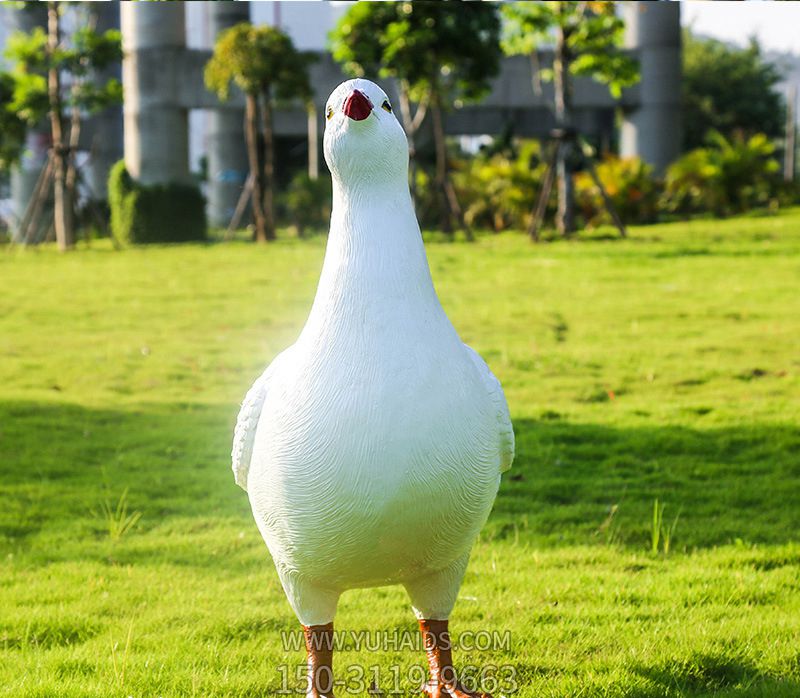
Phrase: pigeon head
(364, 142)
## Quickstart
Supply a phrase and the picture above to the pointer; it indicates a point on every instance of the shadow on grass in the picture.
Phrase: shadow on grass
(701, 674)
(576, 483)
(719, 675)
(60, 462)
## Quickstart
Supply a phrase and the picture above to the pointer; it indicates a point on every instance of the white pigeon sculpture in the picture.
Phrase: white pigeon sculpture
(372, 448)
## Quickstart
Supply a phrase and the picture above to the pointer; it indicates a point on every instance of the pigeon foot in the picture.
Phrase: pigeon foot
(441, 690)
(443, 682)
(319, 648)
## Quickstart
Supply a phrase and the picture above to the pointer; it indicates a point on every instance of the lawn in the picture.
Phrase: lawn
(662, 368)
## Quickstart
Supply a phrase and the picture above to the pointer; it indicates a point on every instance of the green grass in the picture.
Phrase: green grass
(665, 367)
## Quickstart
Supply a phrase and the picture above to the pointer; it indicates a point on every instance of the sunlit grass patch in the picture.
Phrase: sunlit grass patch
(657, 375)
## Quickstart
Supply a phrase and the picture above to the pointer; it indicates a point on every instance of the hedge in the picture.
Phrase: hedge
(141, 214)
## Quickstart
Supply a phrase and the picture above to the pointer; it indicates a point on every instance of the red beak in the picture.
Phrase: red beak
(357, 106)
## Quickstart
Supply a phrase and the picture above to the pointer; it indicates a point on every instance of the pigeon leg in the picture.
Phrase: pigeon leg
(319, 648)
(443, 682)
(433, 597)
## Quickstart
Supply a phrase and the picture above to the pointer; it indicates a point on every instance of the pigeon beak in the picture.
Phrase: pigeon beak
(357, 106)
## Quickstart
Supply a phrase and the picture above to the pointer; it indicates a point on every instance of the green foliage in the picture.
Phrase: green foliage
(499, 191)
(725, 177)
(12, 126)
(655, 527)
(593, 36)
(307, 202)
(631, 186)
(359, 40)
(116, 518)
(28, 52)
(120, 187)
(729, 90)
(173, 212)
(79, 55)
(661, 534)
(450, 49)
(426, 203)
(474, 200)
(92, 50)
(258, 60)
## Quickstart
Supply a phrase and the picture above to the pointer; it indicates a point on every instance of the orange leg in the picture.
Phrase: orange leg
(443, 682)
(319, 647)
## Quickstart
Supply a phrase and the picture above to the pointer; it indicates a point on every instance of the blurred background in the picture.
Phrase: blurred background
(674, 109)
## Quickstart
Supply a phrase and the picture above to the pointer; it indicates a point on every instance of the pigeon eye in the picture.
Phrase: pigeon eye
(329, 113)
(386, 106)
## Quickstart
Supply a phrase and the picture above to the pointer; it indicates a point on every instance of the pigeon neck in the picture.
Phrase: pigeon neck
(375, 260)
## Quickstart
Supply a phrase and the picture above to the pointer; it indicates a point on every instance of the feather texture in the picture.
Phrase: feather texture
(244, 433)
(505, 429)
(372, 449)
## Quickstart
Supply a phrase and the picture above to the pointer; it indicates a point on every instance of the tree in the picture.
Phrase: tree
(728, 90)
(42, 61)
(264, 64)
(357, 45)
(440, 53)
(587, 38)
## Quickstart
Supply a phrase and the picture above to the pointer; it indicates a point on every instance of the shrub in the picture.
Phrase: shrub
(140, 214)
(426, 203)
(307, 202)
(726, 177)
(12, 126)
(629, 183)
(498, 191)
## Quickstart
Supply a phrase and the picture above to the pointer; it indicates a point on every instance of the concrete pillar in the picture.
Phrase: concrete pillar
(156, 126)
(227, 151)
(106, 145)
(653, 131)
(37, 141)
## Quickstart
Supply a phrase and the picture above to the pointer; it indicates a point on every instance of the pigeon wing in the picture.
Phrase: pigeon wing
(244, 434)
(495, 390)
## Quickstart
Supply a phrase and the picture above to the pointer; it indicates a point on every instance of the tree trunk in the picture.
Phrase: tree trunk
(313, 142)
(62, 209)
(405, 112)
(71, 179)
(256, 173)
(565, 216)
(269, 165)
(450, 211)
(411, 124)
(791, 133)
